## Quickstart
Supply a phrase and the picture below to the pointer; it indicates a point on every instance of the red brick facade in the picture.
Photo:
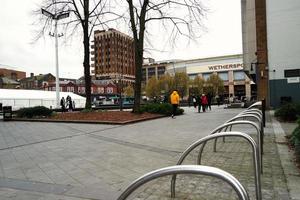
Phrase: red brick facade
(262, 50)
(113, 56)
(12, 74)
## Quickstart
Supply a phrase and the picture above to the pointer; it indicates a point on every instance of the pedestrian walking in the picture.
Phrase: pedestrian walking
(199, 103)
(174, 101)
(218, 100)
(63, 104)
(203, 102)
(69, 103)
(194, 101)
(209, 98)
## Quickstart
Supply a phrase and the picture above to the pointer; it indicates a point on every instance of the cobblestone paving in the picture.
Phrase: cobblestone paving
(83, 161)
(233, 156)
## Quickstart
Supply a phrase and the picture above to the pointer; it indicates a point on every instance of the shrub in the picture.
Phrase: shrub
(295, 139)
(160, 108)
(37, 111)
(287, 112)
(87, 110)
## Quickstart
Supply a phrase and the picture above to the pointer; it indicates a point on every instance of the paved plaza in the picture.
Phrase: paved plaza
(88, 161)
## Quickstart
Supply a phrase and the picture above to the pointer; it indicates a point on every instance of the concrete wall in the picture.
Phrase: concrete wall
(249, 33)
(283, 28)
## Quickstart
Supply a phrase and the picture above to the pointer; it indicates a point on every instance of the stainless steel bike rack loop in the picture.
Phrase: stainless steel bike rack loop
(243, 116)
(227, 134)
(253, 112)
(188, 169)
(256, 104)
(230, 124)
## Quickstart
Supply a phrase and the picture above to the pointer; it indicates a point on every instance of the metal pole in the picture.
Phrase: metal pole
(56, 62)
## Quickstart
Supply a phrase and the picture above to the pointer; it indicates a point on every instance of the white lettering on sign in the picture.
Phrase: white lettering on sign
(293, 80)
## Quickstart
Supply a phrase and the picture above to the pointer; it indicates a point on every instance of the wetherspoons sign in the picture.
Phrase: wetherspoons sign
(226, 67)
(220, 67)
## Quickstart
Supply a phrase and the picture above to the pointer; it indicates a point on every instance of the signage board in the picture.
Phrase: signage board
(293, 80)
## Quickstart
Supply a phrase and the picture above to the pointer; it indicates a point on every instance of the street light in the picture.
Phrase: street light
(120, 88)
(56, 17)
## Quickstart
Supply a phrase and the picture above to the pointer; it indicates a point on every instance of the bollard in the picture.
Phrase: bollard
(7, 113)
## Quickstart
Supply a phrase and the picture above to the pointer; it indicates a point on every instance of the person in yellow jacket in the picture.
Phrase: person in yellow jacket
(174, 101)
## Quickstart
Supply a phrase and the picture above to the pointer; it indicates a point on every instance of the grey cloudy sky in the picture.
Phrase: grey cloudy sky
(223, 36)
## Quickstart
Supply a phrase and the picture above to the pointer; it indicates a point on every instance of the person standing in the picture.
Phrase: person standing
(203, 102)
(174, 101)
(199, 103)
(209, 98)
(194, 101)
(63, 104)
(218, 99)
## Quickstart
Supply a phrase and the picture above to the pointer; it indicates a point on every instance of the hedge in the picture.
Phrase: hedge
(160, 108)
(38, 111)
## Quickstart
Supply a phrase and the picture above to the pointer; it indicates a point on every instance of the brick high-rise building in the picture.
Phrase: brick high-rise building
(113, 56)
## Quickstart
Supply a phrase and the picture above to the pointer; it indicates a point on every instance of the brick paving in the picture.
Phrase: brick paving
(88, 161)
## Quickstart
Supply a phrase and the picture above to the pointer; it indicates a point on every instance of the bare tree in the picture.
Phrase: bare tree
(179, 16)
(82, 14)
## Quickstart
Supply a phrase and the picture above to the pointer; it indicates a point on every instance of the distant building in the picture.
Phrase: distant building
(7, 83)
(113, 56)
(229, 68)
(37, 82)
(12, 74)
(79, 87)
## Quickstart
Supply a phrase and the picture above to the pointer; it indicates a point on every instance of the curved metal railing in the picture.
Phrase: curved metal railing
(188, 169)
(230, 124)
(243, 116)
(227, 134)
(256, 104)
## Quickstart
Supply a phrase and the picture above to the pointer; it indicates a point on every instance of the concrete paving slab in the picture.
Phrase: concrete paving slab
(99, 161)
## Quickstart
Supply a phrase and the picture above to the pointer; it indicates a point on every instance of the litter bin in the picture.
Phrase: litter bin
(7, 113)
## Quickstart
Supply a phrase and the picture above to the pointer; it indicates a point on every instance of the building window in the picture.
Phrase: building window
(292, 73)
(239, 75)
(109, 90)
(206, 75)
(151, 72)
(223, 76)
(193, 76)
(161, 71)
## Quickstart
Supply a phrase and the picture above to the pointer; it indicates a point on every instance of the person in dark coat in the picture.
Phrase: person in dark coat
(63, 104)
(209, 98)
(199, 103)
(194, 101)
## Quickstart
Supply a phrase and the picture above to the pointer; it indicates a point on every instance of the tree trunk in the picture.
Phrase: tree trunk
(86, 62)
(138, 77)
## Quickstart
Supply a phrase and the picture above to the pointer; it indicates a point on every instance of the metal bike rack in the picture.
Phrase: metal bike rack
(188, 169)
(230, 124)
(254, 112)
(262, 105)
(255, 109)
(255, 149)
(243, 116)
(256, 104)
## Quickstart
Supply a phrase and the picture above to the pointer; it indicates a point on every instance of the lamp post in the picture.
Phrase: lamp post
(56, 17)
(120, 88)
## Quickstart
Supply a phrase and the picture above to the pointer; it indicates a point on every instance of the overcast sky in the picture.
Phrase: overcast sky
(223, 36)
